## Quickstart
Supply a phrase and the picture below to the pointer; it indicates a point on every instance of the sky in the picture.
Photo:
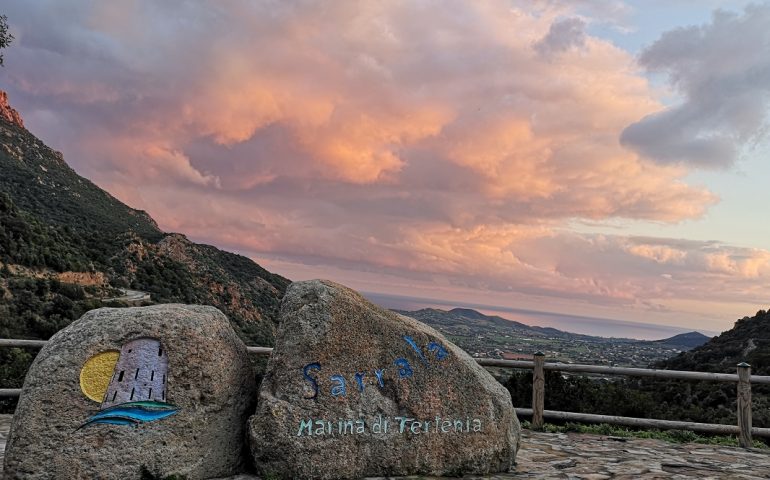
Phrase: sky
(600, 159)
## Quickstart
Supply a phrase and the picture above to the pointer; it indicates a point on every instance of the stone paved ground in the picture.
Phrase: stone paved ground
(574, 456)
(594, 457)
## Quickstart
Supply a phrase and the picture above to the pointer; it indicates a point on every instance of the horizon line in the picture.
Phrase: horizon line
(503, 309)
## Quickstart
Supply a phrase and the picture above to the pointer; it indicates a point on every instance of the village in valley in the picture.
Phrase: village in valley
(485, 336)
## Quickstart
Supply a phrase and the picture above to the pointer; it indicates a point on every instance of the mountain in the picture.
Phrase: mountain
(469, 318)
(748, 341)
(496, 337)
(694, 401)
(65, 244)
(689, 340)
(473, 314)
(715, 402)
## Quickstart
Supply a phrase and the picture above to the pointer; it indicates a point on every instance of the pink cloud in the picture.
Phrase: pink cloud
(447, 142)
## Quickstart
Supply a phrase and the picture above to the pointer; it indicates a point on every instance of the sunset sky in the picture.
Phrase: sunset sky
(595, 158)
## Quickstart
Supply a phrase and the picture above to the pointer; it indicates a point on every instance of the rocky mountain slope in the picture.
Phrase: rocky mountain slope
(58, 228)
(748, 341)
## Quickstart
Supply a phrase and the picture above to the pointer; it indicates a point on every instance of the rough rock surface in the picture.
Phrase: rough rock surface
(583, 456)
(210, 381)
(446, 415)
(7, 112)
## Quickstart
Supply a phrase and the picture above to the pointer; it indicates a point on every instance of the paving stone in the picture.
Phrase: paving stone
(540, 451)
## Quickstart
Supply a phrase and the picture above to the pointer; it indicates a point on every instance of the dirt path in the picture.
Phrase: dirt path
(130, 296)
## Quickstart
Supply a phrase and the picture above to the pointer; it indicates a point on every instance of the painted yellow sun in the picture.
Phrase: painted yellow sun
(96, 374)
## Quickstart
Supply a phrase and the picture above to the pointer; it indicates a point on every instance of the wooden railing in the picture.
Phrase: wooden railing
(742, 378)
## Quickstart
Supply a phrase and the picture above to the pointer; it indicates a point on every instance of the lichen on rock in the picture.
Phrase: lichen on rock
(166, 388)
(353, 390)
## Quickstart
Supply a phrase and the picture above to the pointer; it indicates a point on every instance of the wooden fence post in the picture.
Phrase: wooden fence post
(538, 391)
(744, 404)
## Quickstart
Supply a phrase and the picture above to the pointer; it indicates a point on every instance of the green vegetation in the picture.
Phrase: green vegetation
(40, 307)
(5, 36)
(36, 308)
(486, 336)
(14, 363)
(26, 241)
(177, 270)
(583, 394)
(748, 341)
(674, 436)
(691, 401)
(42, 184)
(54, 222)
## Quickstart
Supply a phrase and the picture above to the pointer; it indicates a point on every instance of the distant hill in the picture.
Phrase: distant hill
(470, 318)
(467, 316)
(690, 340)
(496, 337)
(470, 313)
(58, 227)
(694, 401)
(748, 341)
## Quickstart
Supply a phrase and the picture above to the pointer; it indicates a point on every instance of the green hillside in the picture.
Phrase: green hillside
(748, 341)
(695, 401)
(48, 191)
(66, 245)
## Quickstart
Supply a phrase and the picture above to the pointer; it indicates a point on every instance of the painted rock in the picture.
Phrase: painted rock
(134, 392)
(353, 390)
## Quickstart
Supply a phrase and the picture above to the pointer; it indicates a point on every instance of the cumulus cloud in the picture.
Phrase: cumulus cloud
(351, 94)
(444, 142)
(722, 72)
(562, 35)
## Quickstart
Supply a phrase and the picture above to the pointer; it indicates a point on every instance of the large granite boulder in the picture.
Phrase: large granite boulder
(161, 390)
(353, 390)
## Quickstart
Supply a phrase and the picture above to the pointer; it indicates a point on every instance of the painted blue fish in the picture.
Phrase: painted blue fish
(143, 405)
(132, 413)
(110, 421)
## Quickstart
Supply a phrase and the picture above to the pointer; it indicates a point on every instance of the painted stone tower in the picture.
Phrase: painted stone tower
(140, 374)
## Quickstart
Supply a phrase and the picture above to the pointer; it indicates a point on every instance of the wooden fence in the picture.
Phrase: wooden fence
(742, 378)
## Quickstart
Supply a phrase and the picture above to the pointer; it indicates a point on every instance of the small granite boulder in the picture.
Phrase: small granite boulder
(353, 390)
(122, 392)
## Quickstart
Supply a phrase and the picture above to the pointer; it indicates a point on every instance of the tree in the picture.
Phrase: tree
(5, 36)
